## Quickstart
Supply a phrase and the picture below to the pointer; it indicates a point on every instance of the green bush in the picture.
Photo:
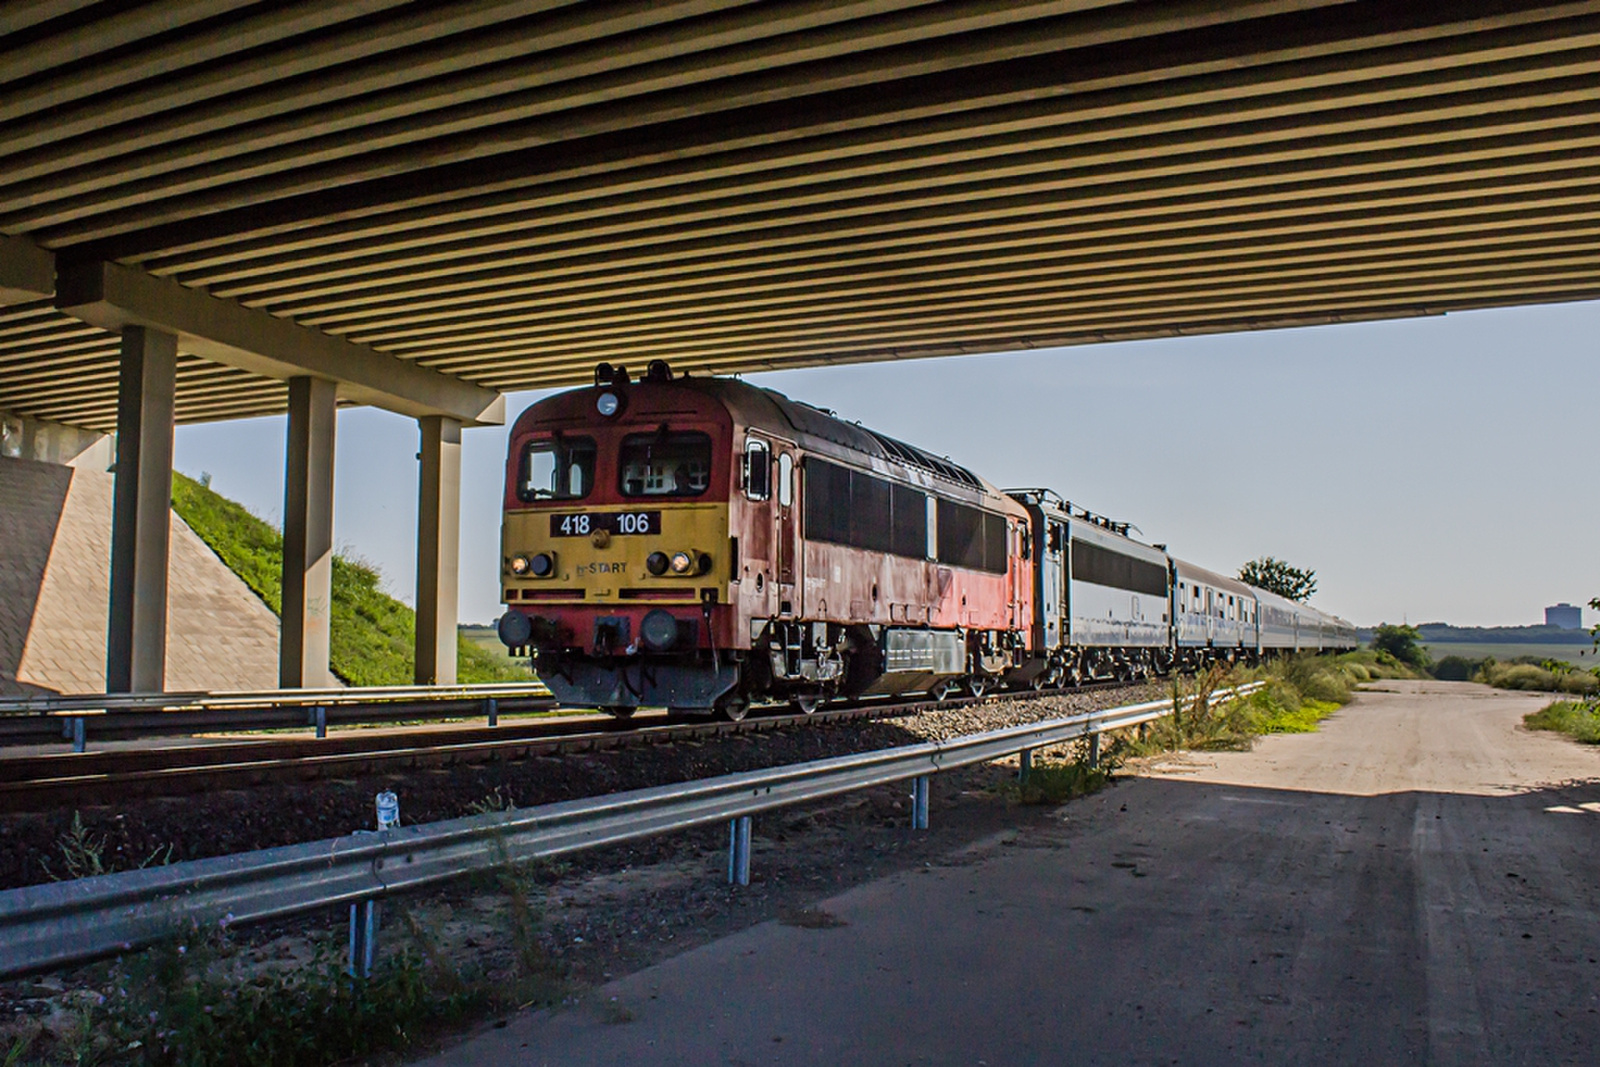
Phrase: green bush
(372, 635)
(1535, 678)
(1403, 642)
(1457, 668)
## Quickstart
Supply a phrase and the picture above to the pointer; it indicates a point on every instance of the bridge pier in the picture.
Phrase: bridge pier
(308, 535)
(438, 549)
(141, 512)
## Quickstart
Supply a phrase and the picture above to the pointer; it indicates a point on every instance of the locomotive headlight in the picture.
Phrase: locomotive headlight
(682, 562)
(542, 565)
(519, 565)
(608, 404)
(656, 563)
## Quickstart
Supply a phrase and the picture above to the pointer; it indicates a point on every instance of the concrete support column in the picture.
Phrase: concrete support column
(308, 536)
(141, 513)
(438, 550)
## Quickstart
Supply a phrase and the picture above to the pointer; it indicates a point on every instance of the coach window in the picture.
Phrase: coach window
(559, 469)
(665, 464)
(785, 479)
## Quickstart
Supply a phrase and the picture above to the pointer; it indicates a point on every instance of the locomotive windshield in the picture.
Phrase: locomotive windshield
(562, 469)
(665, 464)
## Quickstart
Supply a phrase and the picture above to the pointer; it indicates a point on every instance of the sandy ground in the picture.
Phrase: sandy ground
(1415, 883)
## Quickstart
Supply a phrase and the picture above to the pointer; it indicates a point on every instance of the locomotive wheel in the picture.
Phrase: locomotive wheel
(942, 691)
(805, 703)
(977, 686)
(733, 709)
(620, 711)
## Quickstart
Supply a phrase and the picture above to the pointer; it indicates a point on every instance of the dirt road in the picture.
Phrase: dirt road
(1417, 882)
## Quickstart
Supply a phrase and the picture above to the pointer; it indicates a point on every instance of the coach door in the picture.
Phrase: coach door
(786, 536)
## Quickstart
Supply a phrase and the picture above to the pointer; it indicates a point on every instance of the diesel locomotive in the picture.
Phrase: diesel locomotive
(699, 543)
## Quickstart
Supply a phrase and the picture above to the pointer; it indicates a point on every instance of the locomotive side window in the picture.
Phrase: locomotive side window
(562, 469)
(849, 507)
(785, 479)
(972, 538)
(665, 464)
(757, 469)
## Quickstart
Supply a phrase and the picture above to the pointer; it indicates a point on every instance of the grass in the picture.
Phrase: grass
(372, 635)
(1581, 653)
(1579, 721)
(1300, 692)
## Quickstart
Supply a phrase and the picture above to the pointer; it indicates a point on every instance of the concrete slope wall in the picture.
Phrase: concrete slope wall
(220, 635)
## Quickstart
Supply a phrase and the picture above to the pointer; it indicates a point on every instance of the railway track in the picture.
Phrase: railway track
(45, 782)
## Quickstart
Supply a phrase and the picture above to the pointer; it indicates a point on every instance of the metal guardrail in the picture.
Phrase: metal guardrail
(56, 716)
(69, 922)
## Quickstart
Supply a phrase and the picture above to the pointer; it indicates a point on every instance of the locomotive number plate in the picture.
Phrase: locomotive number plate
(582, 524)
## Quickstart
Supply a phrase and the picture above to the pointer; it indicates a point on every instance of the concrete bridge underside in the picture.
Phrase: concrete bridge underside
(219, 208)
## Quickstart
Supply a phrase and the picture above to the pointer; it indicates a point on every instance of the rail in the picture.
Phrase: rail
(70, 717)
(61, 923)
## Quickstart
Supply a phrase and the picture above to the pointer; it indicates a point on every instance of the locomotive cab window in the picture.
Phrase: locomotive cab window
(665, 464)
(562, 469)
(757, 469)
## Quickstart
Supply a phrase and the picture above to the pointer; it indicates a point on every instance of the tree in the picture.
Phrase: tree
(1276, 576)
(1402, 642)
(1594, 605)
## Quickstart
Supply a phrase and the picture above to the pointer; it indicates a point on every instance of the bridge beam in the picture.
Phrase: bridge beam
(27, 272)
(113, 297)
(438, 550)
(141, 515)
(303, 641)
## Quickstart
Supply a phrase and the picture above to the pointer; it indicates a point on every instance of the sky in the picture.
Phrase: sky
(1430, 469)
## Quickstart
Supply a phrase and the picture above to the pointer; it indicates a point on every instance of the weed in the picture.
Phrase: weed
(1579, 721)
(1058, 781)
(18, 1049)
(82, 853)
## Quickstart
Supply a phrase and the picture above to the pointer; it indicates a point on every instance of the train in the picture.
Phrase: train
(703, 544)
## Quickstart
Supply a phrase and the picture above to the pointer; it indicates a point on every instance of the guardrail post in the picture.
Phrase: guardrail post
(1024, 764)
(319, 718)
(491, 708)
(1094, 746)
(79, 734)
(919, 803)
(739, 851)
(363, 937)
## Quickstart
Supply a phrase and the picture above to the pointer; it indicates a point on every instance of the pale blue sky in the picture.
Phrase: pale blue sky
(1429, 469)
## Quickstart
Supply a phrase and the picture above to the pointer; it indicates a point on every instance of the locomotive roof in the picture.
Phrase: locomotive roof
(760, 406)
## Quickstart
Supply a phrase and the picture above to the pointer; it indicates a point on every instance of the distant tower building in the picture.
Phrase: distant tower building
(1565, 616)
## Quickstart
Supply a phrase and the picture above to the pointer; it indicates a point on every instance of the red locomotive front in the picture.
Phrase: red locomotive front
(699, 543)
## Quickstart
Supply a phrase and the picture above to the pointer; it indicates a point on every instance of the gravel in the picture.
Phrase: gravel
(161, 829)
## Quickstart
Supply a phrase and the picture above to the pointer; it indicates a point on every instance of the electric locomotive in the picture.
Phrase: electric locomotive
(699, 543)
